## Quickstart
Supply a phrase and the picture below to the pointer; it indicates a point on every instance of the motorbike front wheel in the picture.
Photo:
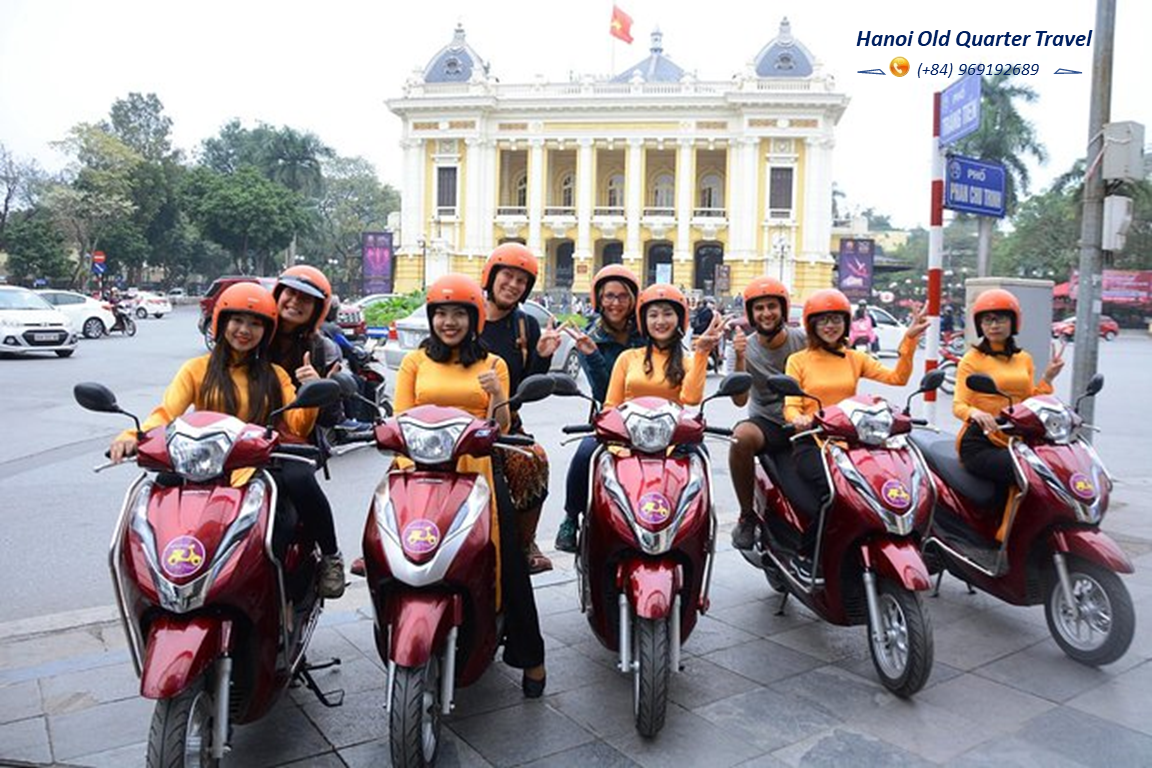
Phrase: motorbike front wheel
(903, 655)
(948, 386)
(181, 733)
(129, 326)
(1099, 628)
(414, 719)
(653, 660)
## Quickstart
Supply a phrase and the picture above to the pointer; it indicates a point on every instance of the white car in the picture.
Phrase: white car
(91, 317)
(155, 304)
(28, 323)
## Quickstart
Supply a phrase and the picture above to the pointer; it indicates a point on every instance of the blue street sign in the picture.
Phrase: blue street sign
(959, 109)
(98, 268)
(974, 186)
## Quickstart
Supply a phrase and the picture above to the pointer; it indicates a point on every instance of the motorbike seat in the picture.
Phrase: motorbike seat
(781, 468)
(940, 452)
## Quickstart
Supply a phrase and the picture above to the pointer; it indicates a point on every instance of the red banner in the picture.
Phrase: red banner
(621, 25)
(1121, 286)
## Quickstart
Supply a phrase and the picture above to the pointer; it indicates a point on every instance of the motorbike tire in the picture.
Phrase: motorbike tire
(129, 326)
(653, 659)
(948, 386)
(182, 727)
(414, 715)
(1109, 629)
(904, 661)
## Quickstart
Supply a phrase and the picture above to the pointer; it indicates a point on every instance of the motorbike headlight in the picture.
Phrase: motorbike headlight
(199, 458)
(872, 426)
(1057, 423)
(430, 445)
(650, 434)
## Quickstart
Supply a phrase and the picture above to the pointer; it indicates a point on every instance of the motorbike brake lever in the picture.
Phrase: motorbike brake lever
(929, 427)
(514, 449)
(720, 438)
(106, 465)
(805, 433)
(310, 462)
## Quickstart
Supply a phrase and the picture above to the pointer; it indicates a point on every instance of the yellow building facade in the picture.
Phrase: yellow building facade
(703, 184)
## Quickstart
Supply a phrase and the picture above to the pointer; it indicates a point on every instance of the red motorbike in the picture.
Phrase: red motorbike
(648, 536)
(866, 564)
(1043, 543)
(217, 584)
(430, 560)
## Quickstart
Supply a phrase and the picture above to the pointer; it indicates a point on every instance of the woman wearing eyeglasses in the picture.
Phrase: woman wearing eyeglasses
(830, 370)
(997, 319)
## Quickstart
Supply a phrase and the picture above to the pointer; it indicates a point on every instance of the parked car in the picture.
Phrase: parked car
(208, 302)
(28, 323)
(1066, 328)
(370, 299)
(90, 316)
(176, 293)
(350, 318)
(414, 329)
(147, 303)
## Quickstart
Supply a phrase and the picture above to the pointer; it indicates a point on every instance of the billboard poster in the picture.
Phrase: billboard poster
(376, 250)
(854, 268)
(1121, 286)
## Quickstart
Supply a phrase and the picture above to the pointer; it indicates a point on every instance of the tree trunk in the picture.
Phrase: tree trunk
(984, 247)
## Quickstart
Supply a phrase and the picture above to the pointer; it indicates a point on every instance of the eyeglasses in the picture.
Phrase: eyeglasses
(836, 319)
(991, 318)
(615, 298)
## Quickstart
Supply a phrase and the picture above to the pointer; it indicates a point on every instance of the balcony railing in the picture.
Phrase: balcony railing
(780, 213)
(659, 212)
(446, 211)
(608, 210)
(710, 213)
(560, 210)
(511, 210)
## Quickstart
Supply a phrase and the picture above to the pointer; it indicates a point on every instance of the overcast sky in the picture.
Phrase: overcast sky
(329, 67)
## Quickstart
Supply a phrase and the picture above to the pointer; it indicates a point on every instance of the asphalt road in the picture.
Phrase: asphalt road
(57, 516)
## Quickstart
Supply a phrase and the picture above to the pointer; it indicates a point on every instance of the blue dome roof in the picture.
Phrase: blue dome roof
(785, 56)
(657, 68)
(455, 62)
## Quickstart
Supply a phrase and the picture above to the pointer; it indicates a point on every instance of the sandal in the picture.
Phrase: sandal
(538, 562)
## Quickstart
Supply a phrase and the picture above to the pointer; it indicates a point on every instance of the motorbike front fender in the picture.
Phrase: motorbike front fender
(419, 624)
(1094, 546)
(898, 560)
(651, 586)
(178, 650)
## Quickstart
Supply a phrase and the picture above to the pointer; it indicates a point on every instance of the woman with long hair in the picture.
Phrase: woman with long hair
(453, 368)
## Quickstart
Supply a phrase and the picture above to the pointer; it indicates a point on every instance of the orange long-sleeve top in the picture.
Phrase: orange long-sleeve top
(833, 378)
(186, 391)
(629, 380)
(1015, 376)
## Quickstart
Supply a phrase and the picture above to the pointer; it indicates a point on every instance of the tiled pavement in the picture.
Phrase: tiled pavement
(758, 690)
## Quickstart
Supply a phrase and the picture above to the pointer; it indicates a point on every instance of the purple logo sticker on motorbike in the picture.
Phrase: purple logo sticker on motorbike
(420, 537)
(896, 494)
(1082, 486)
(654, 509)
(182, 557)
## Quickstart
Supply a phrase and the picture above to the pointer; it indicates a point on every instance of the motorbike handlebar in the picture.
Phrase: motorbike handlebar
(578, 429)
(299, 451)
(515, 440)
(721, 431)
(919, 422)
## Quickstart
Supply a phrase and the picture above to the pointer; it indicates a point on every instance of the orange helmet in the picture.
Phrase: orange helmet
(661, 292)
(458, 289)
(252, 298)
(311, 282)
(613, 272)
(997, 300)
(511, 255)
(764, 287)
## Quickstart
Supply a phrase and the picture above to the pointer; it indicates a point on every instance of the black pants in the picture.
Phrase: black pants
(982, 457)
(810, 465)
(523, 643)
(298, 481)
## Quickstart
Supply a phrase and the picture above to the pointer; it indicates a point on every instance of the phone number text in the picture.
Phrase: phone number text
(930, 70)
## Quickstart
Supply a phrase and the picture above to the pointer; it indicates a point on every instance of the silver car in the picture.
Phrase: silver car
(414, 329)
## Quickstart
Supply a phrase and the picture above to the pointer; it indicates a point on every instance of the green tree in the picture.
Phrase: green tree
(1004, 137)
(36, 248)
(140, 123)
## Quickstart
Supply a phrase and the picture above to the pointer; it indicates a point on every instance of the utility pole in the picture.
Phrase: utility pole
(1090, 284)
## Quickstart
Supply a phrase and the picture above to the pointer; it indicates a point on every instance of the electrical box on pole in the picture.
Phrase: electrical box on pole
(1117, 220)
(1123, 152)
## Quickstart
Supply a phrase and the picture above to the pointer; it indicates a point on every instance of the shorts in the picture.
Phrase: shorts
(776, 436)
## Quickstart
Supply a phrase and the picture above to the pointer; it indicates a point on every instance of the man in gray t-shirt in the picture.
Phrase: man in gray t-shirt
(764, 354)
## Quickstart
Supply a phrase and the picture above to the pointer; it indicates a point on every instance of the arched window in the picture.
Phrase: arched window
(616, 190)
(664, 191)
(567, 191)
(521, 195)
(711, 191)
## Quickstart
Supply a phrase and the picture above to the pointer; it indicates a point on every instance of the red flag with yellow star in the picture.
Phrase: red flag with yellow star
(621, 27)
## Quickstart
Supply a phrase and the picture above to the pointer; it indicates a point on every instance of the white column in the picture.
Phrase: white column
(817, 198)
(413, 216)
(473, 202)
(635, 186)
(488, 155)
(585, 189)
(685, 189)
(742, 207)
(536, 196)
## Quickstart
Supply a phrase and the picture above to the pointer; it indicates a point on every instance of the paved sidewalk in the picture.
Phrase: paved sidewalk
(758, 690)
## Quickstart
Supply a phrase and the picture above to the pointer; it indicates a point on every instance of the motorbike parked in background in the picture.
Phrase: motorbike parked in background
(647, 539)
(431, 562)
(867, 563)
(1043, 543)
(216, 578)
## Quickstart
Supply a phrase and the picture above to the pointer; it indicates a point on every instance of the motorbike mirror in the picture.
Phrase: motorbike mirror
(535, 388)
(347, 382)
(734, 384)
(785, 385)
(1095, 384)
(932, 380)
(565, 386)
(95, 397)
(982, 383)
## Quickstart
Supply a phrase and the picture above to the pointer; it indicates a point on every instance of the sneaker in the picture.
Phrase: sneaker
(744, 534)
(332, 576)
(802, 570)
(566, 536)
(353, 425)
